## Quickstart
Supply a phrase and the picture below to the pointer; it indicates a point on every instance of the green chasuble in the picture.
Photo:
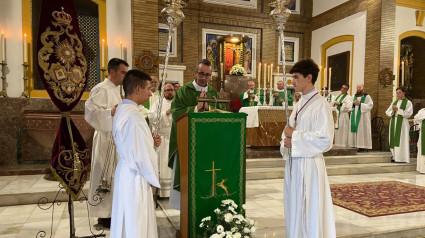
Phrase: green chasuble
(282, 96)
(395, 133)
(184, 102)
(247, 102)
(355, 120)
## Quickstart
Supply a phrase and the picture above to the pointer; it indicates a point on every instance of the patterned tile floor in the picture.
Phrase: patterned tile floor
(264, 202)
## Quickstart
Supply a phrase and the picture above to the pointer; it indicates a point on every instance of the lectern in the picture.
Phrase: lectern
(211, 149)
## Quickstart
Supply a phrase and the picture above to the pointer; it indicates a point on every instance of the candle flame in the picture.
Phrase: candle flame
(25, 35)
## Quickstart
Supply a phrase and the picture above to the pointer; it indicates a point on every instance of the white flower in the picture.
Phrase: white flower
(237, 235)
(237, 69)
(228, 217)
(253, 229)
(246, 237)
(232, 210)
(214, 236)
(201, 225)
(246, 230)
(220, 229)
(244, 206)
(251, 222)
(217, 211)
(208, 218)
(233, 230)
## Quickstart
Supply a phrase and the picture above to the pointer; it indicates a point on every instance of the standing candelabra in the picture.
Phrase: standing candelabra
(103, 73)
(3, 92)
(25, 93)
(280, 14)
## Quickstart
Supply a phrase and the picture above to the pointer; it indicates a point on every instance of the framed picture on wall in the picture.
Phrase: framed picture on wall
(235, 3)
(340, 64)
(296, 7)
(163, 41)
(292, 48)
(211, 50)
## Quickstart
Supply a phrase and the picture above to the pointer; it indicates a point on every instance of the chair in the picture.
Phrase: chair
(413, 139)
(377, 124)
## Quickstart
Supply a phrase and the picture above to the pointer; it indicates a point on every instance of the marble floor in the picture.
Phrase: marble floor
(264, 200)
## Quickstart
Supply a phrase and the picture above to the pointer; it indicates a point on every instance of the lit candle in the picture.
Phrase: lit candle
(259, 74)
(25, 49)
(121, 50)
(3, 47)
(271, 75)
(265, 75)
(330, 78)
(102, 59)
(325, 76)
(402, 73)
(277, 78)
(320, 73)
(221, 71)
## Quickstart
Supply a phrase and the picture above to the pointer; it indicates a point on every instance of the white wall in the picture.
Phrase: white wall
(405, 20)
(321, 6)
(11, 24)
(352, 25)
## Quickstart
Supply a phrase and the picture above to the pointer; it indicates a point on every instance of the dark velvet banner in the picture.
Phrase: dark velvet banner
(63, 71)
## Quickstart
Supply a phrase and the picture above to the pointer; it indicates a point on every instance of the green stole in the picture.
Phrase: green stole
(329, 99)
(339, 106)
(423, 137)
(282, 96)
(248, 102)
(355, 121)
(395, 135)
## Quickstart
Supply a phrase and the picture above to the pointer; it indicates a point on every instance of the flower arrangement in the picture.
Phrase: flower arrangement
(229, 224)
(237, 69)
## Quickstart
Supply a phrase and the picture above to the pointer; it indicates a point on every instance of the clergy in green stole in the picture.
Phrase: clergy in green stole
(185, 102)
(251, 97)
(279, 95)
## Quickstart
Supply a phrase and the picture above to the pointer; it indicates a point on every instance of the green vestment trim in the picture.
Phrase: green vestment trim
(395, 135)
(356, 120)
(249, 103)
(339, 106)
(282, 96)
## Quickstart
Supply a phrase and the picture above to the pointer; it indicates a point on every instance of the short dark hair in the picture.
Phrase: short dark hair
(403, 89)
(134, 78)
(202, 61)
(306, 67)
(114, 64)
(344, 84)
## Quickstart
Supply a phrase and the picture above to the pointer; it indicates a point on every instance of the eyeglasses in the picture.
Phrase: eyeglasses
(201, 74)
(169, 90)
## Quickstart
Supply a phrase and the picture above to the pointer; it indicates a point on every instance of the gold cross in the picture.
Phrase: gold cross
(213, 177)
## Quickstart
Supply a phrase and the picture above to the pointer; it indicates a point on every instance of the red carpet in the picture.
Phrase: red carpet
(379, 198)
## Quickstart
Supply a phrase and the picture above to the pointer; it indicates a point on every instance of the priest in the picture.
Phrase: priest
(251, 96)
(279, 96)
(360, 129)
(99, 113)
(164, 128)
(307, 196)
(328, 96)
(419, 120)
(133, 209)
(343, 103)
(399, 111)
(185, 102)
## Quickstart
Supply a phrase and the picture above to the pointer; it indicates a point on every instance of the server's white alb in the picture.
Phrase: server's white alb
(419, 117)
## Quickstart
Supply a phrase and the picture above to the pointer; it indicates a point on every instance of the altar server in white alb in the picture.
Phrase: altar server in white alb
(164, 123)
(343, 104)
(399, 111)
(360, 133)
(419, 119)
(99, 113)
(307, 196)
(133, 208)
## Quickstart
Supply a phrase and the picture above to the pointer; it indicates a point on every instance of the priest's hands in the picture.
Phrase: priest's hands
(168, 111)
(288, 136)
(203, 105)
(357, 102)
(276, 95)
(252, 95)
(280, 100)
(156, 139)
(395, 108)
(337, 103)
(113, 109)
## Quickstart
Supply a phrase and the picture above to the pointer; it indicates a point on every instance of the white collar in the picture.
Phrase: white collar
(128, 101)
(199, 88)
(309, 94)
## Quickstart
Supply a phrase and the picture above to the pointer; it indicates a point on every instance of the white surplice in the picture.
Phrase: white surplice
(97, 113)
(307, 197)
(363, 137)
(401, 153)
(330, 99)
(133, 209)
(342, 123)
(164, 131)
(419, 117)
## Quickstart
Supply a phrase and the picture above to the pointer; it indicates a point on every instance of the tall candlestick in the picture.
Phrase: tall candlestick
(121, 50)
(271, 75)
(265, 75)
(259, 74)
(3, 47)
(277, 78)
(102, 59)
(325, 76)
(25, 49)
(330, 79)
(402, 73)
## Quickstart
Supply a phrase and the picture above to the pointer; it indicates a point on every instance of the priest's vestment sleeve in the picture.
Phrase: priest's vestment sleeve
(407, 112)
(97, 113)
(367, 105)
(420, 116)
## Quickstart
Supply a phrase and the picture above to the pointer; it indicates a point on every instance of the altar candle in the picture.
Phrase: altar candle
(265, 75)
(25, 49)
(402, 73)
(277, 78)
(271, 75)
(3, 47)
(259, 74)
(325, 76)
(330, 78)
(102, 59)
(121, 50)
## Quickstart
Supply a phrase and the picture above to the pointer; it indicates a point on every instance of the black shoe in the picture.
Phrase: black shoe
(104, 222)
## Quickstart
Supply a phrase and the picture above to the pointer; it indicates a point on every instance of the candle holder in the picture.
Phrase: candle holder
(102, 74)
(3, 92)
(270, 95)
(25, 93)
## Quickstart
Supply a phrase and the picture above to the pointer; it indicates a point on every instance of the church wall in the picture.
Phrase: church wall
(321, 6)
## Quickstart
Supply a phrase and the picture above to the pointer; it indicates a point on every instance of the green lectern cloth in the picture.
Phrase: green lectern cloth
(216, 163)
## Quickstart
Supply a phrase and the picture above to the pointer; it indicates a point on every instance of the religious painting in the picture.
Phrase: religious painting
(291, 50)
(233, 53)
(340, 65)
(295, 8)
(235, 3)
(163, 41)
